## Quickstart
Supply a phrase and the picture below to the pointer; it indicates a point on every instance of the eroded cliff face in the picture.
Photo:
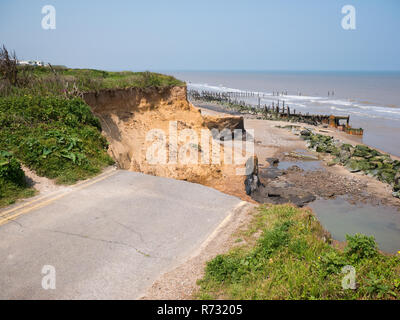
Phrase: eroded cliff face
(133, 120)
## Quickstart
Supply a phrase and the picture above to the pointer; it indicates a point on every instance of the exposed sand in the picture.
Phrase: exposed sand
(128, 116)
(41, 184)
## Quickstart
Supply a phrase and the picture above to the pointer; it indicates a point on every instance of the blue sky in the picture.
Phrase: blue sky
(206, 35)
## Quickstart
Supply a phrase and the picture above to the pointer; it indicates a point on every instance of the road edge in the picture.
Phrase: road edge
(179, 283)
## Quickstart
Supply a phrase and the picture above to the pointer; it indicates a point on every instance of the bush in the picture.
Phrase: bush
(271, 240)
(224, 268)
(331, 262)
(12, 180)
(10, 169)
(360, 247)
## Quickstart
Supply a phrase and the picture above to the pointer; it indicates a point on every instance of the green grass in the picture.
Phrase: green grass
(12, 180)
(291, 260)
(66, 81)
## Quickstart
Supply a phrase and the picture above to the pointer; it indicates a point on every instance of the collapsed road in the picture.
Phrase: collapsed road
(107, 238)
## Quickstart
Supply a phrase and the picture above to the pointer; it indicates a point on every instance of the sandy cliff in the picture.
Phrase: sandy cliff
(130, 116)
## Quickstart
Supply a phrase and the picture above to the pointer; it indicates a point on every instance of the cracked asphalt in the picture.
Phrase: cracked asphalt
(110, 239)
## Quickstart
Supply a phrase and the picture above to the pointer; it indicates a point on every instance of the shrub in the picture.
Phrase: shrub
(376, 285)
(224, 268)
(360, 247)
(12, 180)
(331, 262)
(271, 240)
(10, 169)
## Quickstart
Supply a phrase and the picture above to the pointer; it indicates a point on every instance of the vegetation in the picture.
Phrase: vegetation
(12, 181)
(46, 126)
(58, 138)
(67, 82)
(293, 259)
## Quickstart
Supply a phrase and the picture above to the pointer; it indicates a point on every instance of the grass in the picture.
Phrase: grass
(12, 182)
(66, 81)
(293, 259)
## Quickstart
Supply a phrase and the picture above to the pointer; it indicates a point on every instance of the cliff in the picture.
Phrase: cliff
(130, 116)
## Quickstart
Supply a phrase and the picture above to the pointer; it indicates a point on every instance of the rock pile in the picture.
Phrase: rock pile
(359, 158)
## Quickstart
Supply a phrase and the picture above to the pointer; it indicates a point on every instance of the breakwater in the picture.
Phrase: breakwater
(276, 111)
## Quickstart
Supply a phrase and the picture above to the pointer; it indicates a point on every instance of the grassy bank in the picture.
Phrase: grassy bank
(65, 81)
(58, 138)
(286, 254)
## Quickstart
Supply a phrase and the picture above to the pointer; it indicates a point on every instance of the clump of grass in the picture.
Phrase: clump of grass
(12, 180)
(293, 259)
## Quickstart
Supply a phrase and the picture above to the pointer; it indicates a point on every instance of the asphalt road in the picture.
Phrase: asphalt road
(108, 238)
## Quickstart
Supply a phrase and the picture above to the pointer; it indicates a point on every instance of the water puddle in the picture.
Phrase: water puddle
(308, 165)
(340, 217)
(303, 159)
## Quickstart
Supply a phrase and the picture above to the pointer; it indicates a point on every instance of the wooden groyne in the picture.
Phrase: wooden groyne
(276, 111)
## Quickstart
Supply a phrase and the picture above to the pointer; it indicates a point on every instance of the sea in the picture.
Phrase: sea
(371, 99)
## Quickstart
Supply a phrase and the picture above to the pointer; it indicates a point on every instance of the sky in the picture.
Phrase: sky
(159, 35)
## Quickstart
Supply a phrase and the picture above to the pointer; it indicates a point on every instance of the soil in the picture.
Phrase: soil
(41, 184)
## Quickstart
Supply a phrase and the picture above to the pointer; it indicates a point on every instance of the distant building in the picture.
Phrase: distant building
(34, 63)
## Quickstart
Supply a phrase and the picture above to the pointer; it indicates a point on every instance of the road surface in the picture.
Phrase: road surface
(106, 238)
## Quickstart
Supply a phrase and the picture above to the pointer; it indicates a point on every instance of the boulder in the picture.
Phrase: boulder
(357, 165)
(305, 133)
(252, 181)
(272, 161)
(346, 147)
(362, 151)
(396, 182)
(344, 155)
(387, 175)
